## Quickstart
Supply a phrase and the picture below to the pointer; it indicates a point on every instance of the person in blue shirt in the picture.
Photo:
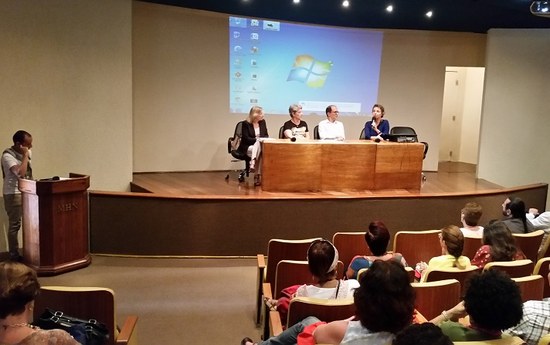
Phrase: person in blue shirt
(378, 125)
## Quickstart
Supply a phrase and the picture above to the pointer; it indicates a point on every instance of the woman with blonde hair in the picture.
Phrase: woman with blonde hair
(253, 129)
(18, 289)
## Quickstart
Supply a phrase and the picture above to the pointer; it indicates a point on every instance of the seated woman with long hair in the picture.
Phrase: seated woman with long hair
(498, 245)
(18, 289)
(377, 238)
(322, 258)
(384, 306)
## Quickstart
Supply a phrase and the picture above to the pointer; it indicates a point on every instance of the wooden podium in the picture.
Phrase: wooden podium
(55, 224)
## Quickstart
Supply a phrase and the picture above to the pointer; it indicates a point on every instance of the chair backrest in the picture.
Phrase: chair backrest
(278, 249)
(324, 309)
(316, 132)
(403, 130)
(362, 135)
(530, 243)
(295, 272)
(531, 287)
(471, 245)
(282, 132)
(410, 272)
(450, 273)
(545, 247)
(434, 297)
(416, 246)
(350, 244)
(81, 302)
(542, 268)
(505, 340)
(515, 269)
(544, 340)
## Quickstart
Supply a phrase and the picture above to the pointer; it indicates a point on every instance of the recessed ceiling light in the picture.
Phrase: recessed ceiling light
(389, 8)
(296, 1)
(345, 3)
(429, 14)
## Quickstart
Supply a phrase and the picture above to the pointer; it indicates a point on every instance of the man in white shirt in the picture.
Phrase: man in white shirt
(539, 221)
(469, 216)
(331, 129)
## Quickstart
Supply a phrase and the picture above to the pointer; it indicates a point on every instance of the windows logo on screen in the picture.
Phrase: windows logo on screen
(310, 71)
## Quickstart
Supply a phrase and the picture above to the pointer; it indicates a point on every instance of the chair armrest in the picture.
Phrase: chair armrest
(275, 323)
(128, 333)
(261, 277)
(266, 290)
(261, 261)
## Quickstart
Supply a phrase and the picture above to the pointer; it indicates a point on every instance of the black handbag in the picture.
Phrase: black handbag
(86, 332)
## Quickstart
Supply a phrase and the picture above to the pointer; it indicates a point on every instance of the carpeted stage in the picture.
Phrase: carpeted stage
(203, 214)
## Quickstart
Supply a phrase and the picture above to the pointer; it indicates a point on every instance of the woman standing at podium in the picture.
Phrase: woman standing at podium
(254, 128)
(375, 128)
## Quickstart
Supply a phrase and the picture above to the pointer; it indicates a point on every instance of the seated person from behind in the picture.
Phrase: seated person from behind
(295, 127)
(322, 258)
(493, 303)
(452, 243)
(498, 245)
(377, 238)
(515, 219)
(384, 305)
(18, 288)
(375, 128)
(331, 128)
(422, 334)
(539, 221)
(469, 216)
(253, 128)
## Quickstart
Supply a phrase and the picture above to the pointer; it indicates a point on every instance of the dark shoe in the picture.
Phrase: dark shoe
(257, 180)
(247, 339)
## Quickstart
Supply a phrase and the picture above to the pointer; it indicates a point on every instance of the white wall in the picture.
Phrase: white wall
(181, 121)
(515, 122)
(471, 114)
(66, 77)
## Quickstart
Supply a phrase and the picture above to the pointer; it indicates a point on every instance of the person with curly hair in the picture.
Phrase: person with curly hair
(384, 305)
(422, 334)
(377, 238)
(498, 245)
(493, 303)
(18, 288)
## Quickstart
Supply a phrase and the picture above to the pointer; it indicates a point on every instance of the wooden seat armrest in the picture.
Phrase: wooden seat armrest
(128, 333)
(275, 323)
(261, 261)
(266, 291)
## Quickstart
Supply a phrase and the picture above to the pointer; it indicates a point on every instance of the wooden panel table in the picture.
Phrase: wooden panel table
(354, 165)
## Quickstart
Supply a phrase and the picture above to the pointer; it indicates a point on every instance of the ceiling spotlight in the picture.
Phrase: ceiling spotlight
(429, 14)
(389, 8)
(540, 8)
(296, 1)
(345, 3)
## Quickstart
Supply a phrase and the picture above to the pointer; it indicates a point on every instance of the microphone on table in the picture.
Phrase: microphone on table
(293, 139)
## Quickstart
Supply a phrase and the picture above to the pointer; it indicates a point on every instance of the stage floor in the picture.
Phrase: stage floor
(450, 179)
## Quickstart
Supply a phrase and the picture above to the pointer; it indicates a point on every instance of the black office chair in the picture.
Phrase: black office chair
(400, 130)
(232, 146)
(316, 133)
(282, 132)
(362, 135)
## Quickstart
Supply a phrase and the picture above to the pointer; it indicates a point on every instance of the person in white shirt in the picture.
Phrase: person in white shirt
(539, 221)
(331, 129)
(469, 216)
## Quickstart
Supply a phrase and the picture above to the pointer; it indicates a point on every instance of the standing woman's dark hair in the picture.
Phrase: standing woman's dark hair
(499, 238)
(385, 299)
(518, 210)
(377, 238)
(322, 258)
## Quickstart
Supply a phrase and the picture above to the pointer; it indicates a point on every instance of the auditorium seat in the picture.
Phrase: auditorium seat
(531, 287)
(471, 246)
(505, 340)
(462, 276)
(416, 246)
(434, 297)
(88, 303)
(277, 250)
(542, 268)
(530, 243)
(515, 269)
(350, 244)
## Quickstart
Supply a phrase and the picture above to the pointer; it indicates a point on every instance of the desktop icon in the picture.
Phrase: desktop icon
(236, 34)
(254, 50)
(254, 36)
(254, 22)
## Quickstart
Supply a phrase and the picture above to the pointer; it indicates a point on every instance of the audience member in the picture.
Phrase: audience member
(515, 219)
(498, 245)
(295, 127)
(422, 334)
(384, 306)
(16, 163)
(493, 303)
(375, 128)
(535, 322)
(469, 216)
(331, 128)
(377, 238)
(539, 221)
(322, 258)
(18, 288)
(253, 129)
(452, 244)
